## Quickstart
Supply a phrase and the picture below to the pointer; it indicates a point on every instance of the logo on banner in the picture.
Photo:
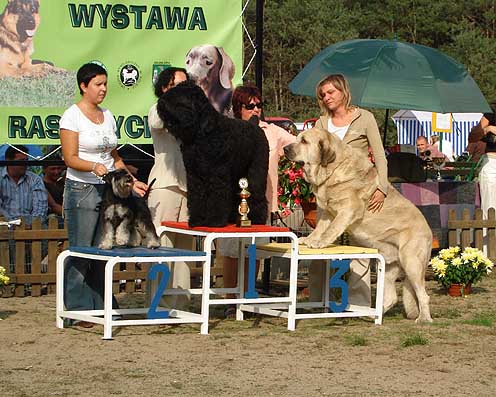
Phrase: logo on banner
(129, 75)
(157, 69)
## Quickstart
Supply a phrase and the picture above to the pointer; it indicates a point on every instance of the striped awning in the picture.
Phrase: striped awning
(411, 124)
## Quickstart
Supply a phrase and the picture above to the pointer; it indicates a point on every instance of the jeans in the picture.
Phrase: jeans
(83, 278)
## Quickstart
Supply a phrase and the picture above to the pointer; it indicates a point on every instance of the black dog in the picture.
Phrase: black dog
(125, 219)
(217, 152)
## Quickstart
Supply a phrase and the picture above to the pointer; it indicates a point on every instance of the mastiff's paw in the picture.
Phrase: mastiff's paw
(312, 243)
(302, 240)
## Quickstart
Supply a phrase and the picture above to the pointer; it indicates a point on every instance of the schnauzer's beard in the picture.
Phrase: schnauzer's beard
(123, 186)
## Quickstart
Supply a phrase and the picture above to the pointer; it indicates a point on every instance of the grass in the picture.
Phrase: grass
(356, 340)
(413, 340)
(449, 312)
(54, 90)
(482, 319)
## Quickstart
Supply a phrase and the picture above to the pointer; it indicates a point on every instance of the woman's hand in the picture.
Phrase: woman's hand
(140, 188)
(376, 201)
(99, 170)
(491, 129)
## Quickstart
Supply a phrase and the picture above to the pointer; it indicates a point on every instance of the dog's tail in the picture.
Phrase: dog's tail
(149, 188)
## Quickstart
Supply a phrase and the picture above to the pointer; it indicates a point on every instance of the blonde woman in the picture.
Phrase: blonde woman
(358, 128)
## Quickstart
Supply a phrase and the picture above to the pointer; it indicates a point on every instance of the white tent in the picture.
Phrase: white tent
(413, 123)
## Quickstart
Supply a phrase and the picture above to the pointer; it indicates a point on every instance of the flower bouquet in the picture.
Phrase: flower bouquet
(293, 189)
(454, 266)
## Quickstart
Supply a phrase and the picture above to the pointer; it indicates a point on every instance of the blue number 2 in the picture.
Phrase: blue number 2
(152, 275)
(336, 281)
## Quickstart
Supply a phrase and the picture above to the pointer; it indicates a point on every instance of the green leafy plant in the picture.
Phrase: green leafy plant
(454, 266)
(293, 189)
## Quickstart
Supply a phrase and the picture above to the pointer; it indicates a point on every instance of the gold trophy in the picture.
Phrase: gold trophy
(243, 209)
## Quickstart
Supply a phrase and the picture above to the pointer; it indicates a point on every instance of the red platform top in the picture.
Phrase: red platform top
(226, 229)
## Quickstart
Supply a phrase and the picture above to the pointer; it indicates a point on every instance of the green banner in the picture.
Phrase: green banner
(44, 42)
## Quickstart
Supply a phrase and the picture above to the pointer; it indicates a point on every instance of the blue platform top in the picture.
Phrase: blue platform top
(125, 252)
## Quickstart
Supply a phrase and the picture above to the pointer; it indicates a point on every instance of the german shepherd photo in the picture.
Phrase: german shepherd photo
(18, 24)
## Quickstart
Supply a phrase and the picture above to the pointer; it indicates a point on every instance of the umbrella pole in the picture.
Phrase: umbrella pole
(385, 128)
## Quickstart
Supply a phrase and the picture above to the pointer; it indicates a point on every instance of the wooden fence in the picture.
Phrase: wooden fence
(467, 232)
(30, 254)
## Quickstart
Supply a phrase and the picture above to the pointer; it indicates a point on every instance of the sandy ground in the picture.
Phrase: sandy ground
(455, 356)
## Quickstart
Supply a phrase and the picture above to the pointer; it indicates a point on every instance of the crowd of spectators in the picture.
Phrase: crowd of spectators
(25, 194)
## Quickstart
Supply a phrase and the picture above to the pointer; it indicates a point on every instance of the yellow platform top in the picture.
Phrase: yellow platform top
(304, 250)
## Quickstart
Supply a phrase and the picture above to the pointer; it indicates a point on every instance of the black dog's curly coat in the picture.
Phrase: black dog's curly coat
(217, 151)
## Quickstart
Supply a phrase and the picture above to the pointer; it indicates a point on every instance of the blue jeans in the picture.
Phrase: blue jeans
(83, 278)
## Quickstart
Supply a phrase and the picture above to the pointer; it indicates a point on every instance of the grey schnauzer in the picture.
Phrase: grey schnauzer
(125, 219)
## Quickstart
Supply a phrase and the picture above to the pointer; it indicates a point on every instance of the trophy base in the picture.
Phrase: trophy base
(243, 223)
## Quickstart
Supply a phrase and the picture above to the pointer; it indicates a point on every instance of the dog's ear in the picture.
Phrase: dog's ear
(327, 155)
(183, 109)
(107, 178)
(226, 72)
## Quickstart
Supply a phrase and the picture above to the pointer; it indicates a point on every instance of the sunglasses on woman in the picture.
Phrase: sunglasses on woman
(252, 106)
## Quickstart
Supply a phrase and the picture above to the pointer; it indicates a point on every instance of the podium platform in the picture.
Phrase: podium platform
(248, 300)
(110, 317)
(334, 253)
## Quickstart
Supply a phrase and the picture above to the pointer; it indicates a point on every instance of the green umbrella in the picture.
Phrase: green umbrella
(392, 74)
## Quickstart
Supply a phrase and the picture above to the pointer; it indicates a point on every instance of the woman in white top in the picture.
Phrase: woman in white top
(88, 139)
(167, 198)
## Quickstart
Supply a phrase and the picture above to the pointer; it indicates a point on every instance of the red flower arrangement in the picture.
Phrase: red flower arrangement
(293, 189)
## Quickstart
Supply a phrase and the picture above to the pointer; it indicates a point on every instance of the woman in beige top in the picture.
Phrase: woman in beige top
(358, 128)
(167, 198)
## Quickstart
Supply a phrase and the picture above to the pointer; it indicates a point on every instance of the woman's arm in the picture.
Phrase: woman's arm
(477, 132)
(139, 187)
(375, 143)
(373, 136)
(69, 140)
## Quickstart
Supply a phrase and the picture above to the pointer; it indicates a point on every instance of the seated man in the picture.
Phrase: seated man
(22, 193)
(54, 180)
(426, 151)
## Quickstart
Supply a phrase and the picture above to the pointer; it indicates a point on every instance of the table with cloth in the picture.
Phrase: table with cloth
(436, 198)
